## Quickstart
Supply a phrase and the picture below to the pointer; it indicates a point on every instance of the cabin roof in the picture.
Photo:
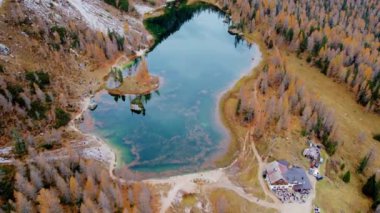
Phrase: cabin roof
(297, 176)
(279, 170)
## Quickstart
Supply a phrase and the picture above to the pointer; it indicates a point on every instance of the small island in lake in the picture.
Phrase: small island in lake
(139, 83)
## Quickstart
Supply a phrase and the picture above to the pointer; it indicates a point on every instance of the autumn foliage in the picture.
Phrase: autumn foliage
(276, 97)
(340, 37)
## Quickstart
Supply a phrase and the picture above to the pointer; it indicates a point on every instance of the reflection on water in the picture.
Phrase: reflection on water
(136, 102)
(176, 129)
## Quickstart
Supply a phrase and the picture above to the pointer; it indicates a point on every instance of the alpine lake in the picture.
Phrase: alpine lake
(176, 129)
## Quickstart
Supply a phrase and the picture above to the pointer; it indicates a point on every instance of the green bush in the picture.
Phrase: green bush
(62, 32)
(19, 144)
(377, 137)
(62, 118)
(75, 43)
(237, 110)
(6, 182)
(111, 2)
(47, 146)
(309, 58)
(55, 46)
(304, 132)
(120, 42)
(363, 163)
(372, 189)
(40, 78)
(331, 147)
(346, 177)
(37, 110)
(15, 91)
(123, 5)
(342, 166)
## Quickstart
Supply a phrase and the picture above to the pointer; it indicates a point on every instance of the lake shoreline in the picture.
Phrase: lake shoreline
(222, 158)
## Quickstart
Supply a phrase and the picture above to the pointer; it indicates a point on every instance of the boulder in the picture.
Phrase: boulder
(4, 50)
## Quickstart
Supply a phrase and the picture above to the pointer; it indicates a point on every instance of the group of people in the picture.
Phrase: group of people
(286, 195)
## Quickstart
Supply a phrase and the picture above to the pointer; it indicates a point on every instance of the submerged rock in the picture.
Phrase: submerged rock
(93, 105)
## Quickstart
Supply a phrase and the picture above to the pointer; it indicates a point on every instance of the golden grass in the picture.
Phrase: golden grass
(352, 119)
(131, 85)
(247, 177)
(234, 203)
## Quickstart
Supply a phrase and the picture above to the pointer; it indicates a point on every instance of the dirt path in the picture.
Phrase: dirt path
(227, 184)
(284, 207)
(210, 179)
(218, 178)
(260, 170)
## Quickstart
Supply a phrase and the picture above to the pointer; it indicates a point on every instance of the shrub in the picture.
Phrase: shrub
(47, 146)
(111, 2)
(237, 110)
(342, 166)
(19, 144)
(308, 59)
(363, 163)
(40, 78)
(377, 137)
(347, 177)
(6, 182)
(372, 189)
(304, 132)
(62, 118)
(15, 91)
(75, 43)
(120, 42)
(62, 32)
(37, 110)
(123, 5)
(331, 147)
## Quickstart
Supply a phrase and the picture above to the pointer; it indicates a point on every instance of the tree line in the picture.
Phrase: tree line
(286, 97)
(69, 184)
(339, 37)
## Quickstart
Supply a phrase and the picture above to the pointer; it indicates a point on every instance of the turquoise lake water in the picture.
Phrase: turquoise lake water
(180, 130)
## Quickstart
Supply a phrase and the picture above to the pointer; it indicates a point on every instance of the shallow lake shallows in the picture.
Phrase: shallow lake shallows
(179, 130)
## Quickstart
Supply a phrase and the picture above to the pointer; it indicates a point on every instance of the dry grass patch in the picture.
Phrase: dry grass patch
(229, 201)
(247, 177)
(352, 119)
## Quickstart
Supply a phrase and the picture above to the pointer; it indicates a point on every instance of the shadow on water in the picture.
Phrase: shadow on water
(136, 102)
(175, 15)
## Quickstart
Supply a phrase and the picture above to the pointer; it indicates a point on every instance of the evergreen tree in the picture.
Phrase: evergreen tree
(347, 177)
(124, 5)
(370, 189)
(62, 118)
(19, 144)
(363, 163)
(303, 44)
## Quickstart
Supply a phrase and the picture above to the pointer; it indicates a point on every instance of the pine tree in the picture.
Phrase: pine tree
(19, 144)
(370, 189)
(363, 163)
(124, 5)
(347, 177)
